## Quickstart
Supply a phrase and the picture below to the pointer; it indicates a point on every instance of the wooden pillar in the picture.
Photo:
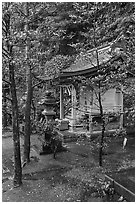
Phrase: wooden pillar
(119, 103)
(61, 103)
(121, 115)
(90, 123)
(73, 112)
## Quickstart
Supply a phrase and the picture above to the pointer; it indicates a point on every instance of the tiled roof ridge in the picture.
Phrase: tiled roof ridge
(81, 63)
(100, 47)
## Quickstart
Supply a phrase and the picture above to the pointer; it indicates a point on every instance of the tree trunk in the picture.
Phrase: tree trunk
(27, 118)
(34, 110)
(27, 130)
(4, 122)
(99, 100)
(101, 111)
(17, 181)
(101, 143)
(15, 125)
(102, 130)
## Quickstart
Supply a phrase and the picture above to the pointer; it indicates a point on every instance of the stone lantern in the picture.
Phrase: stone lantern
(48, 104)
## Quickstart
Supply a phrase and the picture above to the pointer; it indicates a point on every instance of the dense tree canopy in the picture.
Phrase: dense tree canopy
(62, 28)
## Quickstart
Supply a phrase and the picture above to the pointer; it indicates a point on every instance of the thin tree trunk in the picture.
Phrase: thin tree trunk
(100, 103)
(34, 110)
(101, 114)
(27, 130)
(17, 181)
(15, 125)
(101, 145)
(27, 118)
(5, 123)
(102, 130)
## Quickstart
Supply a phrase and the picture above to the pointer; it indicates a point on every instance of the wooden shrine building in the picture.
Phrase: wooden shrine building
(83, 98)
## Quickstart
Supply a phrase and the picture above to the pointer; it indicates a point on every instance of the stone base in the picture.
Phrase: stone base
(48, 150)
(63, 124)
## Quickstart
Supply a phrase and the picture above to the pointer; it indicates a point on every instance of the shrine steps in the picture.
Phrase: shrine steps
(71, 136)
(80, 134)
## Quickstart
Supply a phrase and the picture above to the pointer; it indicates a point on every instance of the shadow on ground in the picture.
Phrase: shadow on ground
(73, 176)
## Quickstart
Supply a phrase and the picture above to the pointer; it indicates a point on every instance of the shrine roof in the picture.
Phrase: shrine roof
(88, 61)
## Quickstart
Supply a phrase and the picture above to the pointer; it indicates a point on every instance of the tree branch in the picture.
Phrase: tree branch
(39, 79)
(96, 95)
(131, 73)
(20, 11)
(5, 55)
(37, 84)
(96, 105)
(3, 23)
(3, 49)
(4, 30)
(6, 81)
(7, 98)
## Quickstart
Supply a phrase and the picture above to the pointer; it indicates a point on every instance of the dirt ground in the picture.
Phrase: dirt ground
(74, 176)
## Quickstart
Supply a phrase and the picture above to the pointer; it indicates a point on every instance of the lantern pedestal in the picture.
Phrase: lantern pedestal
(50, 138)
(48, 103)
